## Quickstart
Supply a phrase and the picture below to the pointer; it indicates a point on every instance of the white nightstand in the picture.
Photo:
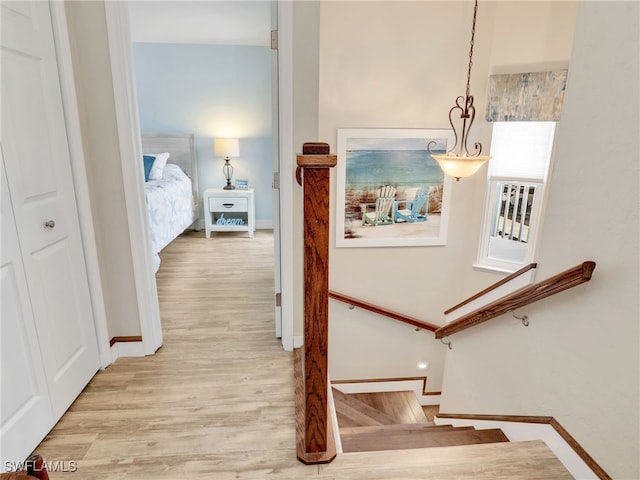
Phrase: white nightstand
(229, 211)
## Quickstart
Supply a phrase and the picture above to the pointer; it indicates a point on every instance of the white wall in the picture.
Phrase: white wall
(384, 348)
(305, 127)
(212, 91)
(579, 359)
(88, 37)
(402, 65)
(543, 42)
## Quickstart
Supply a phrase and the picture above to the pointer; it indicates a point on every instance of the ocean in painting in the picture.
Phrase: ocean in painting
(368, 170)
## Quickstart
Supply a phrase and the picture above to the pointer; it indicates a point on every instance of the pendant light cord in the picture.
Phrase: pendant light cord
(473, 34)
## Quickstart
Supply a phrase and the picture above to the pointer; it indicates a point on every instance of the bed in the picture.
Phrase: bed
(171, 189)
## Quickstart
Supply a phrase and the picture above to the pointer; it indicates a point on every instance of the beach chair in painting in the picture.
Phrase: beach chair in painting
(412, 208)
(385, 197)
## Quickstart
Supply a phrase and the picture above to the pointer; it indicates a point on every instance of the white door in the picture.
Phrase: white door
(24, 397)
(38, 170)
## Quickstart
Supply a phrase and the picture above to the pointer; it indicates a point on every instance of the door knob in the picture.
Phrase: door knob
(50, 224)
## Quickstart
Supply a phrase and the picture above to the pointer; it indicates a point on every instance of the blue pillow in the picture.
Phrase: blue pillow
(148, 163)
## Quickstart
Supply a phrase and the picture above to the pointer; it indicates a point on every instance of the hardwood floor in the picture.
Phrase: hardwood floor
(431, 411)
(217, 400)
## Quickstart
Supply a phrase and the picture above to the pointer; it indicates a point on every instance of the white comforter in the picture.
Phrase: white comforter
(171, 208)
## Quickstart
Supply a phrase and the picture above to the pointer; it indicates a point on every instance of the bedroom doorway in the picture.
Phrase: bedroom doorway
(282, 156)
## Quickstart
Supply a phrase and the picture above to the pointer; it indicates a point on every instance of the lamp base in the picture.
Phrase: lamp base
(228, 187)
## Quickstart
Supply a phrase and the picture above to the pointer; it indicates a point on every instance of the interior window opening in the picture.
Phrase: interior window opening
(516, 182)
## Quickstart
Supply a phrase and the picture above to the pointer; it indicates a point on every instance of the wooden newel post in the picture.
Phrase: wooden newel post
(313, 167)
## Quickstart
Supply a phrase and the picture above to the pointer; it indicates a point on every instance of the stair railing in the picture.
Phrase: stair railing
(354, 302)
(492, 287)
(314, 444)
(520, 298)
(508, 303)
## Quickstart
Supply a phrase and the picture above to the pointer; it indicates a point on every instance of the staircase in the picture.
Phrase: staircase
(396, 421)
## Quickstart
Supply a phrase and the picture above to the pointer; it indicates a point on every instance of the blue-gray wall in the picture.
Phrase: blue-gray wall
(212, 91)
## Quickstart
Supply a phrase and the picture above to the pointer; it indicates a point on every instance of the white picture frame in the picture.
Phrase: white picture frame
(242, 184)
(371, 158)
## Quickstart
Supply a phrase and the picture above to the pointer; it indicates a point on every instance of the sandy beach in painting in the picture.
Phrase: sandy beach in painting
(428, 228)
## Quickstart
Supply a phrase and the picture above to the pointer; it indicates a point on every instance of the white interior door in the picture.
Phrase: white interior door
(24, 397)
(40, 184)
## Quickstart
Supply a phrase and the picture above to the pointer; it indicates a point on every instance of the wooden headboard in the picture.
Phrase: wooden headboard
(182, 152)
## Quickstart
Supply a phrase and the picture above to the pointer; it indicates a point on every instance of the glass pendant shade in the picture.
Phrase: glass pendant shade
(460, 166)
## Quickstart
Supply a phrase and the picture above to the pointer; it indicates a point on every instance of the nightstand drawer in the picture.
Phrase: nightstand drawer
(228, 204)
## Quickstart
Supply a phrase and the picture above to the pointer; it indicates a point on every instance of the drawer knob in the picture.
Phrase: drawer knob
(227, 205)
(49, 224)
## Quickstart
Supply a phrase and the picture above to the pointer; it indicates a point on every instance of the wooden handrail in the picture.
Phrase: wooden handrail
(507, 279)
(383, 311)
(520, 298)
(566, 436)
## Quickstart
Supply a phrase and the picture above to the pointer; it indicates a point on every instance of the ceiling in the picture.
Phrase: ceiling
(230, 22)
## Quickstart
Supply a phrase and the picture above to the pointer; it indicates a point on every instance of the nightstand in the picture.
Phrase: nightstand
(229, 211)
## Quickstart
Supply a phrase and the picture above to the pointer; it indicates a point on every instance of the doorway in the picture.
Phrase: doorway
(120, 42)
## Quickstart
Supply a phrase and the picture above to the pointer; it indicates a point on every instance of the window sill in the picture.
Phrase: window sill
(493, 269)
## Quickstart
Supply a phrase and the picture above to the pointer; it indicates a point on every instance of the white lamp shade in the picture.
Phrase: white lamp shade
(226, 147)
(460, 166)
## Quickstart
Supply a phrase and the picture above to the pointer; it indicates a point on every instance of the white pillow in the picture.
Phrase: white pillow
(158, 165)
(174, 172)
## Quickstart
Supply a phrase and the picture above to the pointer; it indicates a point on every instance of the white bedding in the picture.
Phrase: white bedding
(171, 207)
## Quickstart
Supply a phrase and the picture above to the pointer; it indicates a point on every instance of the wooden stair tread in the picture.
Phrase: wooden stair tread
(394, 439)
(423, 427)
(352, 412)
(489, 461)
(396, 421)
(403, 406)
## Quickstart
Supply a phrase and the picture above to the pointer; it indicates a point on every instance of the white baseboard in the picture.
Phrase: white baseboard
(390, 386)
(334, 422)
(298, 341)
(126, 349)
(264, 224)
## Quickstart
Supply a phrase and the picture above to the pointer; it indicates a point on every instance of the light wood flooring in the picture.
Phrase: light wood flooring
(217, 400)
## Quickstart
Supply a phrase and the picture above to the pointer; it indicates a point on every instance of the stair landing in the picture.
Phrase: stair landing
(402, 406)
(383, 408)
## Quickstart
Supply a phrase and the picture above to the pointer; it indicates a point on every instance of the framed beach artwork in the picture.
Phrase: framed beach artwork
(390, 192)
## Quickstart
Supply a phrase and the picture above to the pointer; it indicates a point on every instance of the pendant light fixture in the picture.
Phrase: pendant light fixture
(458, 162)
